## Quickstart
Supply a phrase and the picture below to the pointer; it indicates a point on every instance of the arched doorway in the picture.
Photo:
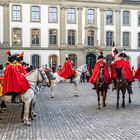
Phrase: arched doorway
(91, 60)
(52, 61)
(73, 58)
(35, 61)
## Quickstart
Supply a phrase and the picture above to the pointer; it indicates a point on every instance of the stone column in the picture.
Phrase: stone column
(62, 27)
(118, 28)
(102, 28)
(6, 25)
(80, 26)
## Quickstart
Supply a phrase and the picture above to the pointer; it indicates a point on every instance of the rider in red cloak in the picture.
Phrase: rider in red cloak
(126, 69)
(96, 70)
(19, 65)
(67, 70)
(137, 74)
(14, 81)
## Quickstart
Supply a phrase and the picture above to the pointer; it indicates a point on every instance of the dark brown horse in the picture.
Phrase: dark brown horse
(101, 87)
(121, 85)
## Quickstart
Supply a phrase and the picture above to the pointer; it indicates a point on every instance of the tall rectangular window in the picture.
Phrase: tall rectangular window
(139, 18)
(90, 38)
(126, 39)
(52, 14)
(126, 17)
(90, 16)
(35, 35)
(16, 13)
(53, 37)
(35, 17)
(71, 15)
(16, 36)
(109, 17)
(109, 38)
(71, 37)
(138, 39)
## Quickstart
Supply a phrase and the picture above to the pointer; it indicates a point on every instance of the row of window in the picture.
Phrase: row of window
(71, 36)
(71, 15)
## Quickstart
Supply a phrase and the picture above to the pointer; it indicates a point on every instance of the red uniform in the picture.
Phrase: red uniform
(96, 70)
(67, 70)
(137, 74)
(14, 81)
(126, 69)
(20, 68)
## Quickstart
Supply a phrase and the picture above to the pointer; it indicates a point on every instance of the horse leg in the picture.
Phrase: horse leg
(129, 98)
(118, 95)
(104, 98)
(76, 90)
(26, 112)
(123, 98)
(32, 113)
(22, 112)
(98, 98)
(3, 105)
(52, 92)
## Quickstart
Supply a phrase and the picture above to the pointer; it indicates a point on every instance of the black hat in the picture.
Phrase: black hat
(12, 58)
(122, 55)
(67, 58)
(101, 57)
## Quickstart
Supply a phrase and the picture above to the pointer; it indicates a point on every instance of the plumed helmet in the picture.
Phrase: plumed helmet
(67, 58)
(20, 56)
(122, 55)
(101, 55)
(11, 58)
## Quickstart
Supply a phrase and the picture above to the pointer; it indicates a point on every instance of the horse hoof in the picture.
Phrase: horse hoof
(104, 105)
(76, 95)
(27, 123)
(98, 107)
(52, 97)
(123, 106)
(129, 102)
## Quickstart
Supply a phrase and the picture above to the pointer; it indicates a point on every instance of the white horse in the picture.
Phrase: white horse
(28, 98)
(56, 79)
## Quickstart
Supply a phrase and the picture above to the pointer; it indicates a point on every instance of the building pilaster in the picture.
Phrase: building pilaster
(62, 27)
(6, 25)
(102, 28)
(80, 27)
(118, 28)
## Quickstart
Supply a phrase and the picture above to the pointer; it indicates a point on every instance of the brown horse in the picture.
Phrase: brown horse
(121, 85)
(101, 87)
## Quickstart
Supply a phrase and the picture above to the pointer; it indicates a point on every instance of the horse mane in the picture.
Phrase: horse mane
(119, 73)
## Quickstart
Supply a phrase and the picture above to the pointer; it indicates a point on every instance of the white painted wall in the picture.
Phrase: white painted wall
(26, 25)
(44, 55)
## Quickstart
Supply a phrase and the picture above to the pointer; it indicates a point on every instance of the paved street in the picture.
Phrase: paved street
(66, 117)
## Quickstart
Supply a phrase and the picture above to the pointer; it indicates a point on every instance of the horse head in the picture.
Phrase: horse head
(119, 74)
(100, 80)
(46, 74)
(83, 68)
(35, 77)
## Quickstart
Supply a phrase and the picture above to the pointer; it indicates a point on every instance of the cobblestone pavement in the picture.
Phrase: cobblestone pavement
(66, 117)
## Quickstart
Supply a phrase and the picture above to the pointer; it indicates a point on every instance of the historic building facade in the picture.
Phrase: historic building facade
(47, 31)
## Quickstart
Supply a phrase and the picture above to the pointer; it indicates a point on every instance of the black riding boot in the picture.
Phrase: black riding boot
(15, 98)
(129, 88)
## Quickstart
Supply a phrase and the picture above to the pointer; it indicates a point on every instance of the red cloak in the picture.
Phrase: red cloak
(67, 70)
(14, 81)
(137, 74)
(20, 68)
(96, 70)
(126, 69)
